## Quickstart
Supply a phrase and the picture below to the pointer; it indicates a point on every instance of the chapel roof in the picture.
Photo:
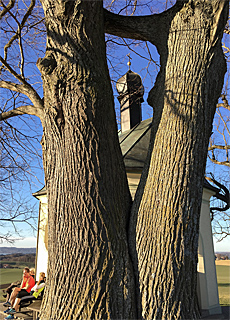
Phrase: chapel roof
(40, 192)
(134, 145)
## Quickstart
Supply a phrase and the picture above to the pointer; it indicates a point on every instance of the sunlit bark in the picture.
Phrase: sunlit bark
(167, 208)
(88, 196)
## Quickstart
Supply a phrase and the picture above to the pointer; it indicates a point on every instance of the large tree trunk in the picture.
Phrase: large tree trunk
(166, 211)
(89, 272)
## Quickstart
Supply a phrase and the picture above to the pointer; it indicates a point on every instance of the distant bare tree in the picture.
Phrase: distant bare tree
(18, 161)
(220, 213)
(23, 37)
(218, 161)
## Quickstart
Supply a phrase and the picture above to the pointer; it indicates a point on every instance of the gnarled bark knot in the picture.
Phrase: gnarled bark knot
(47, 64)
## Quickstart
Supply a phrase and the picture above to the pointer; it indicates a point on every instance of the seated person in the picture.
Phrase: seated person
(27, 284)
(9, 290)
(32, 272)
(40, 284)
(37, 290)
(34, 293)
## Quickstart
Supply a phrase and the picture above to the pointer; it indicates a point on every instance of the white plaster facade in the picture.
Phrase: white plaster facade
(42, 236)
(207, 281)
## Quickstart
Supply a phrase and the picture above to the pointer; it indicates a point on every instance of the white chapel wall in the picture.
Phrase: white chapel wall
(42, 240)
(207, 280)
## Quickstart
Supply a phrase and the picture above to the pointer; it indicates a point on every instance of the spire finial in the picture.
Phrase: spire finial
(129, 62)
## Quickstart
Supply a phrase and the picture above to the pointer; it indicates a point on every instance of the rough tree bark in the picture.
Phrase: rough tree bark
(89, 273)
(164, 224)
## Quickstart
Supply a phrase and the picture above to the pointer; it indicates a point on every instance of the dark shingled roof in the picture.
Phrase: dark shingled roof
(134, 145)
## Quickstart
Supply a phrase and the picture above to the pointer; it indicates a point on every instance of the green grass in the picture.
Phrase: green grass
(8, 276)
(223, 279)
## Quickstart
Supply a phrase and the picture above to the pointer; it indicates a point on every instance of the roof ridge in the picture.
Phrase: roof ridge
(137, 140)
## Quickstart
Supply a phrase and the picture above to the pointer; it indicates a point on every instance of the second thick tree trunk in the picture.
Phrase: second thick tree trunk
(164, 225)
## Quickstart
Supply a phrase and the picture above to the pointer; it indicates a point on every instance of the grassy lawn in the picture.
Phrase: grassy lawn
(223, 279)
(8, 276)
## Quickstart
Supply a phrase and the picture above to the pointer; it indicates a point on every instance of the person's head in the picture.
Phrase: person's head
(26, 272)
(32, 271)
(42, 276)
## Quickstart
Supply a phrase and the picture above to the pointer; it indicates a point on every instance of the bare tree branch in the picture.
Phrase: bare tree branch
(14, 87)
(6, 8)
(214, 146)
(222, 194)
(17, 35)
(28, 90)
(223, 105)
(19, 111)
(221, 163)
(137, 27)
(13, 72)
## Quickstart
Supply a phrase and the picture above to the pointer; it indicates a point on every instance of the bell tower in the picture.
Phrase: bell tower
(131, 91)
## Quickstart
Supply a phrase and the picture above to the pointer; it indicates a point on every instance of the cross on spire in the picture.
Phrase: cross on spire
(129, 62)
